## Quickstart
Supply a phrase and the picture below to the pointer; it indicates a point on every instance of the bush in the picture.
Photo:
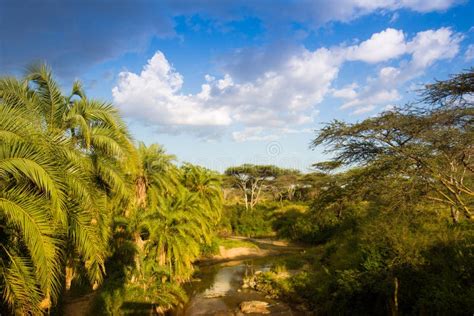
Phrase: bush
(249, 223)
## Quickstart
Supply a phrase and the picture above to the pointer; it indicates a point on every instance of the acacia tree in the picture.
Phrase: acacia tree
(434, 143)
(286, 184)
(250, 180)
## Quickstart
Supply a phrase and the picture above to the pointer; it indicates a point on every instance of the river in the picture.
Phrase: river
(217, 289)
(216, 286)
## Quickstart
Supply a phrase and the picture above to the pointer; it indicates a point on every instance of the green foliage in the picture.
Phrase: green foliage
(61, 162)
(74, 191)
(433, 275)
(168, 225)
(383, 226)
(235, 243)
(78, 199)
(256, 223)
(287, 221)
(250, 180)
(212, 248)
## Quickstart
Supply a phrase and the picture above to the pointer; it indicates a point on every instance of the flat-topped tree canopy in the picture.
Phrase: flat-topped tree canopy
(431, 141)
(251, 178)
(255, 171)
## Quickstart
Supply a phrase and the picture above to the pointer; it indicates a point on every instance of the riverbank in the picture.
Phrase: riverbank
(218, 284)
(217, 290)
(242, 248)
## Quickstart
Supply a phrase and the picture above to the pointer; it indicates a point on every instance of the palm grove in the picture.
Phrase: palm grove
(82, 204)
(76, 191)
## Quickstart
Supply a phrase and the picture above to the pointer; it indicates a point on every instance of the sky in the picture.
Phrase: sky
(223, 82)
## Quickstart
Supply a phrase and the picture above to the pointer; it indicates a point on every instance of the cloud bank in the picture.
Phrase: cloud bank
(284, 98)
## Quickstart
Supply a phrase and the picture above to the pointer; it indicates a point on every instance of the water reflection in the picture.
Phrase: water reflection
(217, 289)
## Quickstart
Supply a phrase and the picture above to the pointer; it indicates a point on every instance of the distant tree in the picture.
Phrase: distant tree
(250, 179)
(286, 184)
(310, 185)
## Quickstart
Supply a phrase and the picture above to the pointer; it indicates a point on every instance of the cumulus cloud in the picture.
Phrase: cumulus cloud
(382, 46)
(154, 95)
(424, 49)
(432, 45)
(347, 92)
(282, 97)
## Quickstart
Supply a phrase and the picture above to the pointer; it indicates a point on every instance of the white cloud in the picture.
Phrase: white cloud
(371, 97)
(432, 45)
(252, 134)
(364, 109)
(282, 98)
(388, 74)
(154, 95)
(469, 54)
(348, 92)
(261, 134)
(278, 98)
(426, 5)
(382, 46)
(424, 49)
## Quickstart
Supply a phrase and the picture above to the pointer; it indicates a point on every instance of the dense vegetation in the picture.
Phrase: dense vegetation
(78, 200)
(389, 220)
(390, 216)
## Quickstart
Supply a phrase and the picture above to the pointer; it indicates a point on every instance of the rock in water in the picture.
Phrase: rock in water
(254, 307)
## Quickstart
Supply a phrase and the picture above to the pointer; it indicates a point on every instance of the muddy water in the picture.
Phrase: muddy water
(217, 289)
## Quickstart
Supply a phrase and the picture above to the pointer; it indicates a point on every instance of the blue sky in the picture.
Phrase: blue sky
(220, 83)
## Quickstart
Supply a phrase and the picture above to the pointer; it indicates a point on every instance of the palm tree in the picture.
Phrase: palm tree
(32, 204)
(62, 161)
(177, 210)
(157, 175)
(183, 222)
(208, 187)
(176, 229)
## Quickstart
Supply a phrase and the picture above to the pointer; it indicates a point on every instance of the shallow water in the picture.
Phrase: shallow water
(217, 289)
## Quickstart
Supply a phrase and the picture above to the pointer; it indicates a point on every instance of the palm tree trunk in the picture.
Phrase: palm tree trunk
(395, 297)
(69, 275)
(140, 246)
(454, 214)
